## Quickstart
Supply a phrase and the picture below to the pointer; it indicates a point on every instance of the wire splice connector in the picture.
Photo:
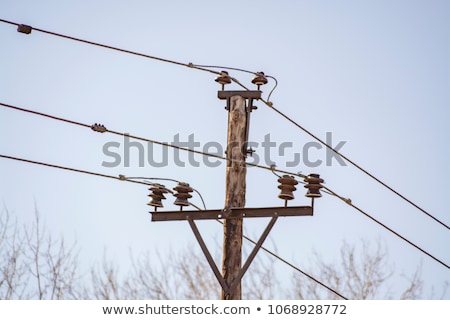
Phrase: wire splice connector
(23, 28)
(99, 128)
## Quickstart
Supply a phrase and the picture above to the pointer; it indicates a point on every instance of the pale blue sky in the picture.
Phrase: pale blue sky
(374, 73)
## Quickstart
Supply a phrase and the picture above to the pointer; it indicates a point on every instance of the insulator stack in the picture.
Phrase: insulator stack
(157, 195)
(287, 186)
(260, 79)
(313, 183)
(182, 194)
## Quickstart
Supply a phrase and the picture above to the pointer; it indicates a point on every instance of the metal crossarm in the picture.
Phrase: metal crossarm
(233, 213)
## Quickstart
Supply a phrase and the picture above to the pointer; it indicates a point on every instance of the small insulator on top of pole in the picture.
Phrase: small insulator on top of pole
(223, 79)
(313, 184)
(182, 194)
(259, 79)
(287, 186)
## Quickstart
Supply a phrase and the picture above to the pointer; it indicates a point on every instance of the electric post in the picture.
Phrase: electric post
(239, 106)
(237, 138)
(235, 194)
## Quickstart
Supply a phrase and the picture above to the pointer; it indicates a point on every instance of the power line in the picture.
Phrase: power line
(211, 155)
(267, 102)
(173, 180)
(245, 71)
(70, 169)
(190, 65)
(349, 202)
(121, 178)
(293, 266)
(97, 44)
(247, 238)
(129, 179)
(270, 104)
(147, 140)
(272, 169)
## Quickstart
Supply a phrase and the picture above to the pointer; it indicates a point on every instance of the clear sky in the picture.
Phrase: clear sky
(375, 74)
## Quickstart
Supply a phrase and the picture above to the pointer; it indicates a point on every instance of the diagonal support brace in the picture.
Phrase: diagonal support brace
(252, 255)
(208, 256)
(228, 289)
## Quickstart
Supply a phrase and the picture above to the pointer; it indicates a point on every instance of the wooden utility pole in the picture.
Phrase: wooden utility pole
(235, 195)
(239, 106)
(235, 210)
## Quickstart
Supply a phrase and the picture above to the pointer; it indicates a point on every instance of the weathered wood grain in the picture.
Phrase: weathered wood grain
(235, 194)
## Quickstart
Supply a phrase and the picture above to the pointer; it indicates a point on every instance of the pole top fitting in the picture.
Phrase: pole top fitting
(223, 79)
(259, 79)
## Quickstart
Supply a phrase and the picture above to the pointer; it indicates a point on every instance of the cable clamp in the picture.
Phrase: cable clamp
(23, 28)
(98, 128)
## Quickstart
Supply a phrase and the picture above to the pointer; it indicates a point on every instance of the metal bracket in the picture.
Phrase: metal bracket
(232, 213)
(251, 94)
